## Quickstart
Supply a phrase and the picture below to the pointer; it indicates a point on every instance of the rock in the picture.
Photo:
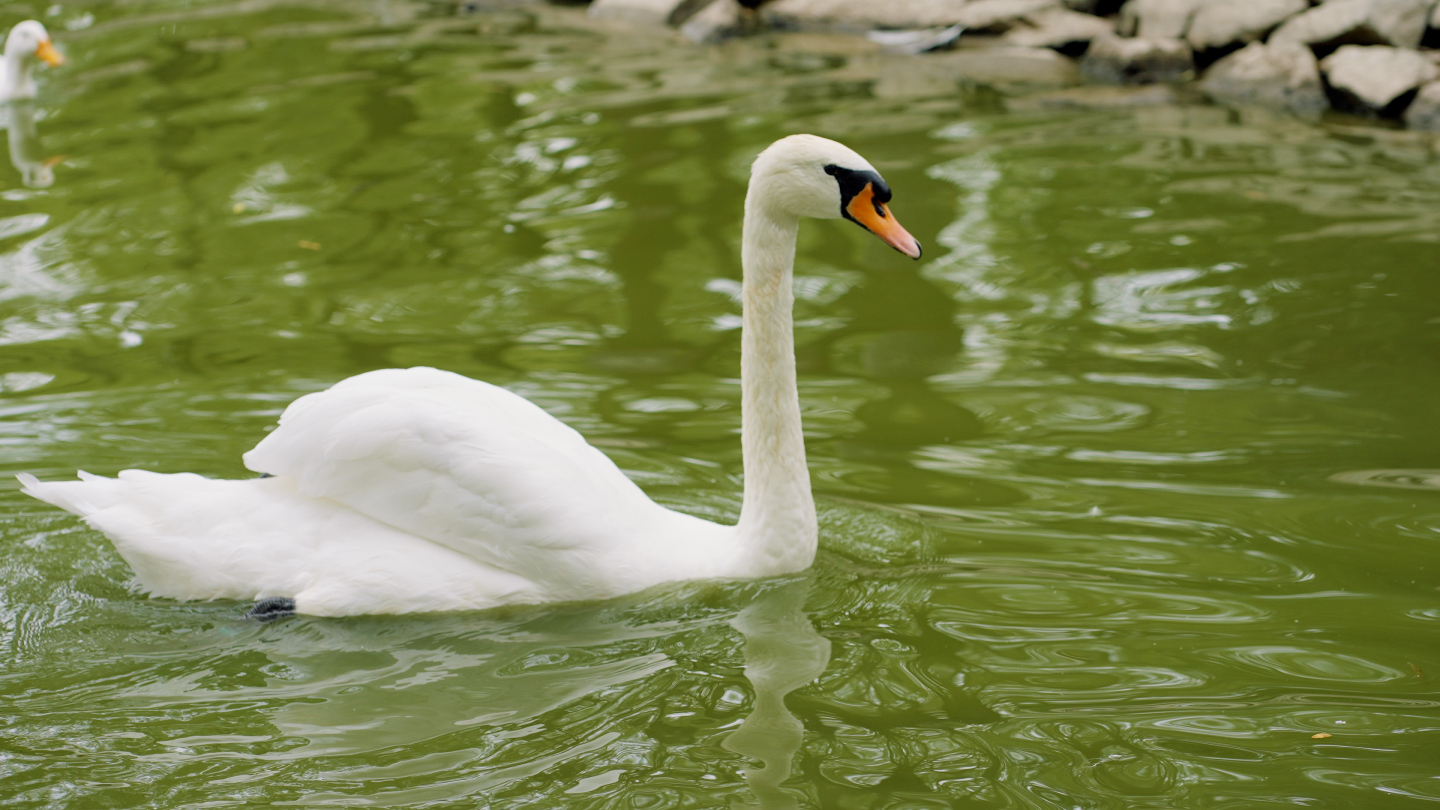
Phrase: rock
(718, 21)
(1225, 22)
(999, 16)
(990, 16)
(1141, 60)
(1376, 78)
(1163, 19)
(1006, 66)
(1424, 111)
(1068, 32)
(651, 12)
(866, 14)
(1281, 74)
(1357, 22)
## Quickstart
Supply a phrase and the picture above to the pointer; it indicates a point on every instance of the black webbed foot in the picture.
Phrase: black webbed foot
(271, 608)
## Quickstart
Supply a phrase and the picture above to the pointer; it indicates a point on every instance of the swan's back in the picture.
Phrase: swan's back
(483, 471)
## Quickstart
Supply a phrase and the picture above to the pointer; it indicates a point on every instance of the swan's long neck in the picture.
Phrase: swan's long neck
(777, 521)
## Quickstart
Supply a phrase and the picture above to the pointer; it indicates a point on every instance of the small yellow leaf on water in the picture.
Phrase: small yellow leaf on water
(237, 207)
(1322, 735)
(1255, 195)
(309, 245)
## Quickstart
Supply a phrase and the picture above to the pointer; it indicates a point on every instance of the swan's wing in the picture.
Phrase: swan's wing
(468, 465)
(189, 537)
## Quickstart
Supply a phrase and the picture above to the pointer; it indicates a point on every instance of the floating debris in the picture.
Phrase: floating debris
(927, 39)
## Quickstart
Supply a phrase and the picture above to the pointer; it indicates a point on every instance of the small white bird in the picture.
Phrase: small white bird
(420, 490)
(27, 42)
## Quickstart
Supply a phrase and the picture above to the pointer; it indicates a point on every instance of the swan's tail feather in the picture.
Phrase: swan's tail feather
(193, 538)
(165, 526)
(64, 494)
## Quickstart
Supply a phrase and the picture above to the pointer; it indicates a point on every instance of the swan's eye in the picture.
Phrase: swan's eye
(858, 183)
(853, 182)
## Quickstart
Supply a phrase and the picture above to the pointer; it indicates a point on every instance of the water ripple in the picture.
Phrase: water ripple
(1125, 497)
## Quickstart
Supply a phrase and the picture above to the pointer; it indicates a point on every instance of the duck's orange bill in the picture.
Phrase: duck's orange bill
(46, 53)
(877, 219)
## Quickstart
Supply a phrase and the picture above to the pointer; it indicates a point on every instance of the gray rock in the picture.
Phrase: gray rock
(1142, 60)
(1225, 22)
(718, 21)
(1159, 19)
(1281, 74)
(1424, 111)
(1358, 22)
(1069, 32)
(867, 14)
(650, 12)
(990, 16)
(999, 16)
(1374, 77)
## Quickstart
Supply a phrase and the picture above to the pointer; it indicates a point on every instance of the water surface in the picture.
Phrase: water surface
(1128, 491)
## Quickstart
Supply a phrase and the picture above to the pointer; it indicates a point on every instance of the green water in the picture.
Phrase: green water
(1097, 529)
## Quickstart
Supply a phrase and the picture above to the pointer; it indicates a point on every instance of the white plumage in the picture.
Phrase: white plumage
(390, 496)
(26, 42)
(420, 490)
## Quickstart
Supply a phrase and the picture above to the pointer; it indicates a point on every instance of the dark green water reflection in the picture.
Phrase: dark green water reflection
(1097, 530)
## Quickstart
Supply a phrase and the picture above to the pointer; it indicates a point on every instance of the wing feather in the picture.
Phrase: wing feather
(465, 464)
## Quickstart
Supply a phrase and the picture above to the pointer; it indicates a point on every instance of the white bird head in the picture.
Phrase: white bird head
(810, 176)
(30, 39)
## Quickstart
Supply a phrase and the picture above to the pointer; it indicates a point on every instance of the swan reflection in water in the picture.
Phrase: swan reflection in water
(783, 652)
(36, 170)
(446, 708)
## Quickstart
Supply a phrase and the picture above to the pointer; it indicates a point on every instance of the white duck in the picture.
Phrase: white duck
(420, 490)
(27, 42)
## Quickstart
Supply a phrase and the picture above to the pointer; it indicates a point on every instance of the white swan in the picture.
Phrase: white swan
(27, 42)
(420, 490)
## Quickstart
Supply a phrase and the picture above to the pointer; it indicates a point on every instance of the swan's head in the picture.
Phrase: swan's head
(809, 176)
(30, 38)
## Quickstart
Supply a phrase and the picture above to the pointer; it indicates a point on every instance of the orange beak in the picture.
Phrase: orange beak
(46, 53)
(877, 219)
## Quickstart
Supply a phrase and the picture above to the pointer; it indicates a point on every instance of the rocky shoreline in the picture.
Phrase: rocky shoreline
(1373, 58)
